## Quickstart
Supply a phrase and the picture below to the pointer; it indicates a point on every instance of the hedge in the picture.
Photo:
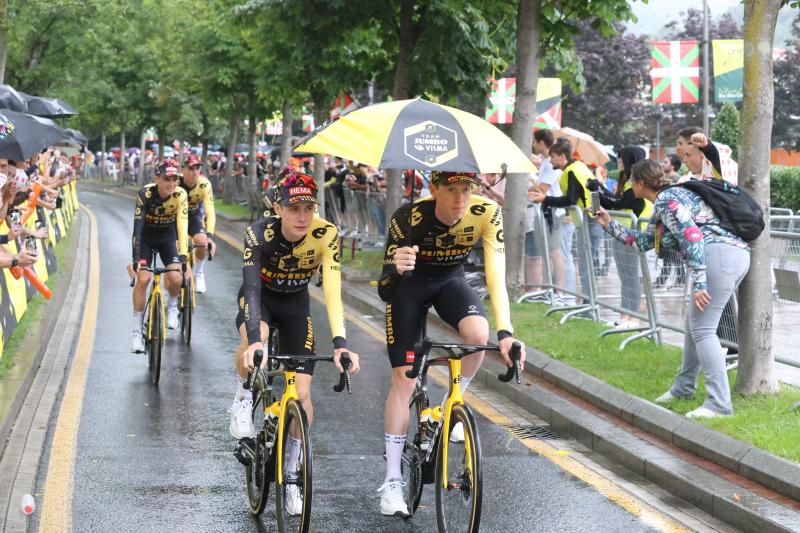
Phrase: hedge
(785, 187)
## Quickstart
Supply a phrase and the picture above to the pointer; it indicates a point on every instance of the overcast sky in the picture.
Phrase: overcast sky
(653, 15)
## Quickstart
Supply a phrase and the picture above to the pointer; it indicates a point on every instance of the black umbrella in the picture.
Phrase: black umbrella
(49, 107)
(12, 99)
(23, 135)
(78, 136)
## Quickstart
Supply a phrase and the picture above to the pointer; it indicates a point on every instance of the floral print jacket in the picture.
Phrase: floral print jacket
(683, 222)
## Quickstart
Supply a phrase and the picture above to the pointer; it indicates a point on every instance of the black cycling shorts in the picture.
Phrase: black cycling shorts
(291, 314)
(451, 297)
(196, 223)
(163, 242)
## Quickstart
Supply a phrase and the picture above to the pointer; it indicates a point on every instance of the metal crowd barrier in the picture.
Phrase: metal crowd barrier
(359, 215)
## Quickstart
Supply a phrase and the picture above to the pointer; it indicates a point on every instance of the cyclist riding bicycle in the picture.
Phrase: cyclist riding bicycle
(281, 254)
(430, 240)
(160, 220)
(202, 218)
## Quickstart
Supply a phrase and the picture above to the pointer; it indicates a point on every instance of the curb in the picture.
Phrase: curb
(718, 495)
(49, 318)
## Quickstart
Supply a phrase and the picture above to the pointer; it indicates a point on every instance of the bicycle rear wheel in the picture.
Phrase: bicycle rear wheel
(256, 473)
(412, 458)
(458, 498)
(186, 310)
(293, 486)
(156, 341)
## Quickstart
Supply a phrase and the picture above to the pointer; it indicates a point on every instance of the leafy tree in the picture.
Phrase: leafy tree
(726, 128)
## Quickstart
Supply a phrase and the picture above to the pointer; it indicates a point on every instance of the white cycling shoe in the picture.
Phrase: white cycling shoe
(137, 342)
(294, 502)
(457, 433)
(392, 501)
(241, 422)
(200, 282)
(172, 317)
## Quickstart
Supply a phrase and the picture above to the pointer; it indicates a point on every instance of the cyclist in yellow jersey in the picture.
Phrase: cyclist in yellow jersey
(202, 217)
(430, 240)
(159, 221)
(281, 254)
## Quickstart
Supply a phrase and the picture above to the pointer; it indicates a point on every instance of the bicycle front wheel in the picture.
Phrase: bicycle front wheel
(458, 496)
(293, 485)
(186, 310)
(156, 340)
(257, 478)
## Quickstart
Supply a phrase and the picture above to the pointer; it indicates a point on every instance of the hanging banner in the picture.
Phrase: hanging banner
(344, 103)
(728, 69)
(501, 101)
(676, 72)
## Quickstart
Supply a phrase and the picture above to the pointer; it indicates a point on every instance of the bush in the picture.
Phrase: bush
(785, 187)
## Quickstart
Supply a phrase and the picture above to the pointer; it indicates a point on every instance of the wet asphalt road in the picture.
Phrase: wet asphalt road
(159, 458)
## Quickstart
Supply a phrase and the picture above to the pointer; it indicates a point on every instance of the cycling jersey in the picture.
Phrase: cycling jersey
(156, 216)
(201, 193)
(279, 266)
(444, 249)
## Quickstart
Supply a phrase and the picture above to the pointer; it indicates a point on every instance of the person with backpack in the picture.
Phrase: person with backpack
(717, 261)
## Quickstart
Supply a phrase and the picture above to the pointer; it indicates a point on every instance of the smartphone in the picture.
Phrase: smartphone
(595, 202)
(30, 245)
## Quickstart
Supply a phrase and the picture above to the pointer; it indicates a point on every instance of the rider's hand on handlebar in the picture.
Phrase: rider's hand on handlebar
(505, 348)
(248, 356)
(337, 360)
(404, 258)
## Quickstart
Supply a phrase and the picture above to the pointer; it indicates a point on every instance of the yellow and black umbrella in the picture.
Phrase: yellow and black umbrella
(418, 134)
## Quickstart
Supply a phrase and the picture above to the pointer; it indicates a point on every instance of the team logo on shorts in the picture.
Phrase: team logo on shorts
(410, 357)
(472, 310)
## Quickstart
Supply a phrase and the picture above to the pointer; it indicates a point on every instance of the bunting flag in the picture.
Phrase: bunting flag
(500, 107)
(501, 102)
(308, 121)
(150, 135)
(676, 72)
(728, 69)
(275, 127)
(344, 104)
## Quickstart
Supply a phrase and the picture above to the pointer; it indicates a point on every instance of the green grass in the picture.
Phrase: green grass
(232, 210)
(647, 370)
(32, 314)
(364, 260)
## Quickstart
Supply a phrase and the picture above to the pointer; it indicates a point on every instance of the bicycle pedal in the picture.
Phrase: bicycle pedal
(243, 451)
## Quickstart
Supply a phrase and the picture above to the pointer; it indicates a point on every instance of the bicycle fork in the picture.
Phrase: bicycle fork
(453, 398)
(289, 394)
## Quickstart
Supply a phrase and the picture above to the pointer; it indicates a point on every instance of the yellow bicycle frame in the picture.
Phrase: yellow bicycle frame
(156, 290)
(453, 398)
(289, 393)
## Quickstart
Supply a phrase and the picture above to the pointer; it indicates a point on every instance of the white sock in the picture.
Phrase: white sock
(199, 266)
(172, 301)
(464, 384)
(294, 454)
(394, 454)
(241, 392)
(137, 321)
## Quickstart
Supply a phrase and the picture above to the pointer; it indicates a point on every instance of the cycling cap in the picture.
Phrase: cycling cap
(445, 178)
(193, 161)
(169, 167)
(296, 187)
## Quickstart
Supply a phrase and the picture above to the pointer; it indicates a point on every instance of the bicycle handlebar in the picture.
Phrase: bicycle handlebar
(344, 377)
(514, 369)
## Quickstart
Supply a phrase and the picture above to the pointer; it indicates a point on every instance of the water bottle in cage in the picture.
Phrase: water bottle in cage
(271, 421)
(429, 422)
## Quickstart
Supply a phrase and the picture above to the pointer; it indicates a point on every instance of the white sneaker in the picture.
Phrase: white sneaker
(703, 412)
(200, 282)
(137, 342)
(392, 501)
(241, 422)
(457, 433)
(665, 398)
(294, 502)
(172, 317)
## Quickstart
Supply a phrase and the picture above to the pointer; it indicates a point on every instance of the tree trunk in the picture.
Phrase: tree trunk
(103, 157)
(319, 177)
(162, 138)
(3, 47)
(142, 157)
(252, 158)
(122, 155)
(204, 144)
(229, 186)
(756, 373)
(522, 134)
(286, 134)
(401, 90)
